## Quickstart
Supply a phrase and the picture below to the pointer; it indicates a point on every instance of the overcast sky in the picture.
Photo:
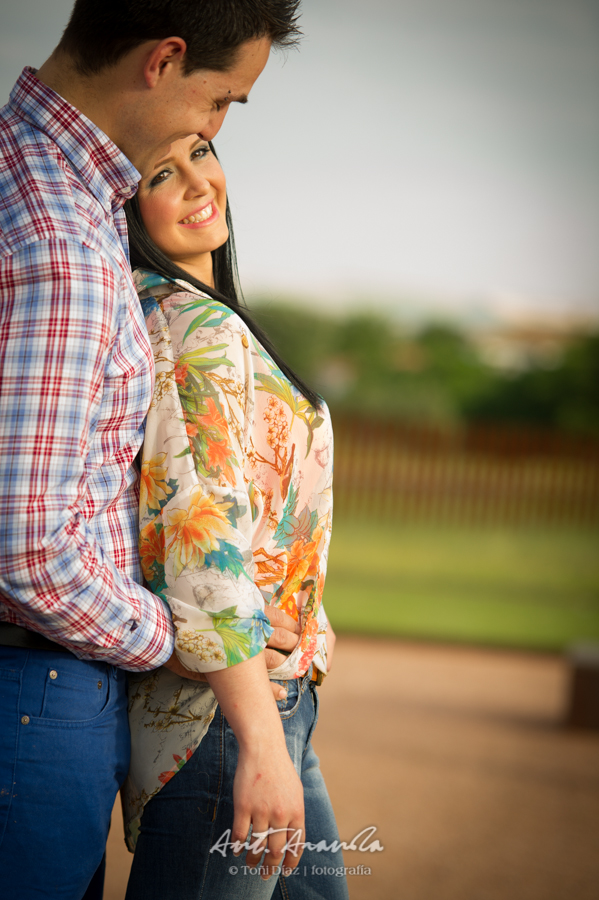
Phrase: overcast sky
(412, 151)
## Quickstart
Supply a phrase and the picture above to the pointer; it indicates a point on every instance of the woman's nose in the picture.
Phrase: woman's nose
(197, 185)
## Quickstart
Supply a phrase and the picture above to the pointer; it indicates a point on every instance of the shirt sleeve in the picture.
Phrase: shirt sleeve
(195, 509)
(57, 326)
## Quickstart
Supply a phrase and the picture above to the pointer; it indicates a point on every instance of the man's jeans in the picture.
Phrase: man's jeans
(64, 752)
(194, 811)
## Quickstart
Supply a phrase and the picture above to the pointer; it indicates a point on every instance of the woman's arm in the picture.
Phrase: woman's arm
(267, 792)
(194, 468)
(284, 637)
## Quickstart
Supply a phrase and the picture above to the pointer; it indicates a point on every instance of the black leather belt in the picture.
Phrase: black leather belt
(16, 636)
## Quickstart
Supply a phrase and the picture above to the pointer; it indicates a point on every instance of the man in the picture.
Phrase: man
(125, 81)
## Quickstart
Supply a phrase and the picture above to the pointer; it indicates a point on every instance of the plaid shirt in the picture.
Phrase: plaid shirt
(76, 378)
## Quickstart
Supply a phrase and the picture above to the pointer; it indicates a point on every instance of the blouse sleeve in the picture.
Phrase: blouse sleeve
(195, 509)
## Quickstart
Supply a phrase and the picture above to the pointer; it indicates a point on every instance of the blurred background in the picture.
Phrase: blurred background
(416, 200)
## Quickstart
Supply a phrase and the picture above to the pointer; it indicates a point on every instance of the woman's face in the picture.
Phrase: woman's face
(183, 203)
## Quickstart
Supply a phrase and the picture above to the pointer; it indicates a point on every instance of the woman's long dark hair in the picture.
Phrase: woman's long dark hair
(145, 254)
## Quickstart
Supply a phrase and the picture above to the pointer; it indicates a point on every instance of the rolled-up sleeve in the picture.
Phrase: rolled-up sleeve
(59, 321)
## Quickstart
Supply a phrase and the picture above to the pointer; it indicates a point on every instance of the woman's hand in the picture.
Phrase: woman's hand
(269, 796)
(285, 636)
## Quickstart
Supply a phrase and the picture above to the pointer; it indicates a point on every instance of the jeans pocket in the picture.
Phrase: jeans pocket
(316, 701)
(72, 697)
(295, 689)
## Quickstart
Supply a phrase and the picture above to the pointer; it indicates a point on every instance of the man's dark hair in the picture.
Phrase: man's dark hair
(100, 32)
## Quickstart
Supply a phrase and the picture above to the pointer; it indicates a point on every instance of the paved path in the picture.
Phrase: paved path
(458, 758)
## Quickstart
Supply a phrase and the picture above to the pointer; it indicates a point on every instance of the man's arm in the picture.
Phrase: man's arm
(59, 316)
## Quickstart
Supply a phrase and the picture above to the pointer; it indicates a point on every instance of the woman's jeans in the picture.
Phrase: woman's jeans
(194, 812)
(64, 752)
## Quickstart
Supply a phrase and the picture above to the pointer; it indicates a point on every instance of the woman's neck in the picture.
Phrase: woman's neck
(200, 267)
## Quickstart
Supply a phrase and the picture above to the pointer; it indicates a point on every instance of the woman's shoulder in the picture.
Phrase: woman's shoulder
(176, 298)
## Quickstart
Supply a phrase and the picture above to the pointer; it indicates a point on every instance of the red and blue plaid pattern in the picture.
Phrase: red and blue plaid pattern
(76, 376)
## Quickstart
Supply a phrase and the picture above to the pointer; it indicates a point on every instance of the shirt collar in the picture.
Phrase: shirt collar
(106, 171)
(145, 279)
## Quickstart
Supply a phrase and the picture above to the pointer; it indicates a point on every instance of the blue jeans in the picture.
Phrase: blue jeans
(194, 810)
(64, 752)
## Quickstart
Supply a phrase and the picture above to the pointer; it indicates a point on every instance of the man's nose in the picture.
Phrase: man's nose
(212, 127)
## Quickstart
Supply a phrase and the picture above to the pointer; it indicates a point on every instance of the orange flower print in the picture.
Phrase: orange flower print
(314, 555)
(277, 435)
(214, 419)
(217, 454)
(165, 777)
(268, 570)
(191, 428)
(290, 607)
(153, 487)
(308, 644)
(268, 498)
(193, 532)
(310, 633)
(299, 557)
(297, 554)
(151, 548)
(181, 372)
(319, 590)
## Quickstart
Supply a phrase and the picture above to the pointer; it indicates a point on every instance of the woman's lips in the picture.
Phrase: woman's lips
(204, 216)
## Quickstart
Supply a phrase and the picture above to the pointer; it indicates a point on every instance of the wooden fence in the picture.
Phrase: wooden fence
(473, 474)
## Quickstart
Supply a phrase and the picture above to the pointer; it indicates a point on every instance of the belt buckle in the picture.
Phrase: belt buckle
(317, 676)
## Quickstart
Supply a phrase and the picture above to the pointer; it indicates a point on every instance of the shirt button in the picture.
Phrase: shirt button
(24, 720)
(53, 674)
(126, 190)
(99, 685)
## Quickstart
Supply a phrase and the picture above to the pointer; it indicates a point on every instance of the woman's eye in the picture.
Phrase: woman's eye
(200, 152)
(159, 178)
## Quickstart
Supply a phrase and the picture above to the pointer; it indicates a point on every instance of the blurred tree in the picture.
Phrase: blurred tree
(579, 403)
(364, 364)
(453, 363)
(565, 396)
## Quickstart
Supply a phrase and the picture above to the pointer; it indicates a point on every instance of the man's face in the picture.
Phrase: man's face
(198, 103)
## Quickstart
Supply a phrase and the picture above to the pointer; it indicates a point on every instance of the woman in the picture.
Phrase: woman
(235, 512)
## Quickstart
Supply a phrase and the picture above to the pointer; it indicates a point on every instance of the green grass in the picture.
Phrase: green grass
(524, 588)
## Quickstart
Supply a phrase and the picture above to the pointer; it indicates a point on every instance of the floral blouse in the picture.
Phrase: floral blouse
(235, 512)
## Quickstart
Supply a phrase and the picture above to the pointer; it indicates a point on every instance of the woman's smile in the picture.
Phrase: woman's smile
(206, 215)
